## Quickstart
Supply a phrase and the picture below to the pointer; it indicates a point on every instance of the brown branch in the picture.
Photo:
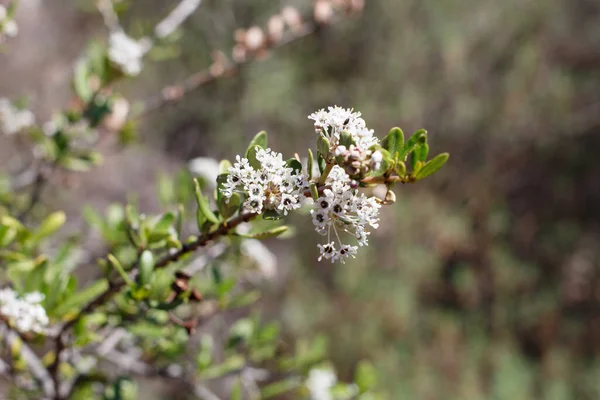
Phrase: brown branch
(176, 92)
(115, 287)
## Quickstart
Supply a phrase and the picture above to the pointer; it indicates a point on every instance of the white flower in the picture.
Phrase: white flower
(206, 168)
(340, 210)
(13, 120)
(126, 52)
(25, 314)
(319, 383)
(376, 159)
(336, 120)
(274, 186)
(8, 26)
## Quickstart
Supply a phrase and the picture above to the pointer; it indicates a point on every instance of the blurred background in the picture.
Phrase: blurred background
(483, 281)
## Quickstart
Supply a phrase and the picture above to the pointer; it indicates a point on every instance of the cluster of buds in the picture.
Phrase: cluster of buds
(8, 26)
(357, 161)
(345, 139)
(255, 41)
(325, 10)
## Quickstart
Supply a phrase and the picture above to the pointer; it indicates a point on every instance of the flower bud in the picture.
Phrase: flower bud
(275, 28)
(292, 18)
(117, 118)
(255, 39)
(323, 11)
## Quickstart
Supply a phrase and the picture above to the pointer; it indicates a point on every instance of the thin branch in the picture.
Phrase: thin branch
(35, 365)
(176, 92)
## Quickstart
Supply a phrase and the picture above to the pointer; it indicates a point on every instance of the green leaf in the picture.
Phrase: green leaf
(366, 376)
(401, 168)
(321, 162)
(260, 140)
(421, 152)
(228, 207)
(117, 265)
(251, 156)
(270, 233)
(418, 138)
(386, 163)
(51, 224)
(394, 142)
(204, 211)
(271, 215)
(310, 164)
(295, 165)
(80, 82)
(146, 266)
(346, 139)
(433, 165)
(275, 390)
(82, 298)
(314, 191)
(164, 223)
(323, 146)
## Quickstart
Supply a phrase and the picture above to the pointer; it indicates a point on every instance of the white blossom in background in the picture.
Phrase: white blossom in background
(343, 209)
(207, 168)
(126, 52)
(25, 313)
(274, 187)
(319, 383)
(8, 26)
(13, 120)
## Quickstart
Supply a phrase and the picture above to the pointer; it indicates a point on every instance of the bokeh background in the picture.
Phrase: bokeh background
(483, 281)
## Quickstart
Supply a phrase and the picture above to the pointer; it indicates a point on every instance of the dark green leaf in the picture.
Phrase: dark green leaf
(421, 152)
(418, 138)
(394, 142)
(204, 211)
(295, 165)
(433, 165)
(323, 146)
(321, 162)
(228, 207)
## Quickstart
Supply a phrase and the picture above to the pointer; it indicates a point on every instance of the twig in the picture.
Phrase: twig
(176, 92)
(35, 365)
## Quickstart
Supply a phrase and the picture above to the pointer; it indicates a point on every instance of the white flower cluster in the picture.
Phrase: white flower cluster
(126, 52)
(8, 26)
(357, 158)
(25, 313)
(274, 186)
(336, 120)
(319, 383)
(343, 208)
(13, 120)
